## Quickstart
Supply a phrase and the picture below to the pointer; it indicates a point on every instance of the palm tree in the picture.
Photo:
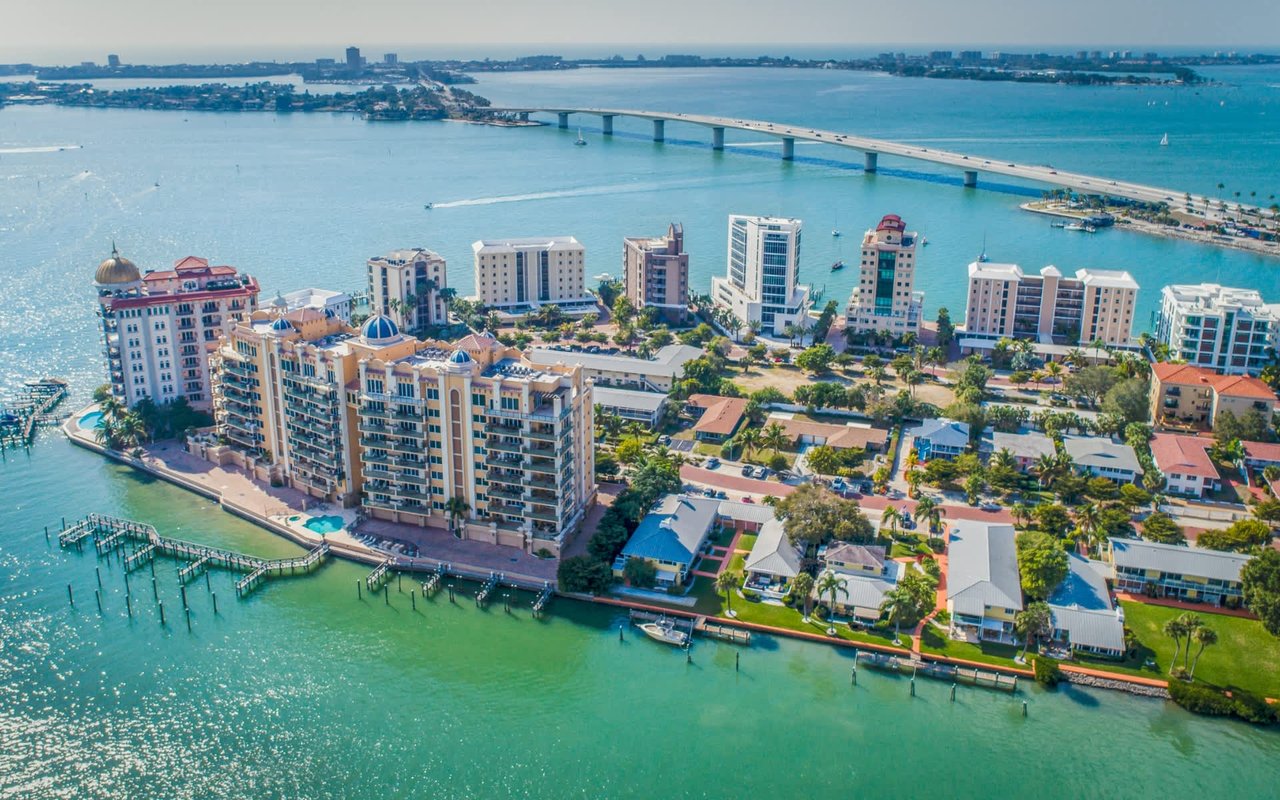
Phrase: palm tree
(802, 586)
(111, 408)
(754, 327)
(774, 436)
(726, 584)
(891, 516)
(1204, 636)
(1190, 624)
(749, 438)
(1033, 622)
(1020, 512)
(1046, 469)
(132, 430)
(1089, 520)
(831, 583)
(927, 509)
(898, 604)
(1054, 370)
(455, 507)
(1176, 628)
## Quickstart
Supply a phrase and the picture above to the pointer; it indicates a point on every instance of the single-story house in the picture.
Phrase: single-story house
(1026, 448)
(773, 560)
(866, 574)
(984, 590)
(718, 417)
(940, 438)
(1103, 458)
(1169, 570)
(656, 374)
(1084, 618)
(671, 536)
(1185, 463)
(630, 404)
(853, 436)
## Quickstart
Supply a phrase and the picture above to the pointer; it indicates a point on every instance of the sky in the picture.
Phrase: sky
(154, 31)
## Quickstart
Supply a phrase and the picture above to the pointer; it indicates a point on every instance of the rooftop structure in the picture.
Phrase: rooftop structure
(671, 536)
(851, 436)
(1103, 457)
(518, 275)
(720, 416)
(630, 404)
(1185, 463)
(1083, 615)
(984, 591)
(1176, 571)
(327, 300)
(409, 287)
(1188, 395)
(773, 558)
(1231, 330)
(940, 438)
(1026, 447)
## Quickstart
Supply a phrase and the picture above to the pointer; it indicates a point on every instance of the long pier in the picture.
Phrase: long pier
(970, 165)
(33, 406)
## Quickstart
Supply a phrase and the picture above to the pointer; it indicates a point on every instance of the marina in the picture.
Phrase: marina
(33, 406)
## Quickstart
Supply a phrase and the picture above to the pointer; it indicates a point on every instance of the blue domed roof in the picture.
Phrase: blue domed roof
(379, 328)
(459, 357)
(282, 325)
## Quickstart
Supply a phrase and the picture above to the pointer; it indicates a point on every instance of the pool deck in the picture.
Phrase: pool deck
(271, 507)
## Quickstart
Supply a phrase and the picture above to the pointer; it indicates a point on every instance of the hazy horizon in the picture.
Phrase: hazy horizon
(162, 31)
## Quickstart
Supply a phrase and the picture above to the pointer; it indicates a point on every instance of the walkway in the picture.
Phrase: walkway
(1194, 607)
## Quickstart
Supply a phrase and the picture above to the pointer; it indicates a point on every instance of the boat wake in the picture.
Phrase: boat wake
(585, 191)
(53, 148)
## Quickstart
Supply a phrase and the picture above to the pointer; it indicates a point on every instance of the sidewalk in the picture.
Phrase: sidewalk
(1193, 607)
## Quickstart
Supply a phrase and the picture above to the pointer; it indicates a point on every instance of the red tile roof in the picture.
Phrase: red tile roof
(722, 414)
(1185, 455)
(1243, 386)
(1183, 373)
(165, 275)
(1262, 451)
(836, 436)
(1227, 385)
(190, 263)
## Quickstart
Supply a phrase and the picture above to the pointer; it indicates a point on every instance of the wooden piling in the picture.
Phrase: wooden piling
(1024, 708)
(207, 585)
(737, 661)
(188, 613)
(70, 598)
(128, 604)
(359, 591)
(97, 595)
(215, 602)
(162, 613)
(386, 594)
(413, 600)
(183, 590)
(953, 692)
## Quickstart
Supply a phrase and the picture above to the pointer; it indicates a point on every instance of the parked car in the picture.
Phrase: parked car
(748, 499)
(721, 495)
(709, 492)
(664, 440)
(989, 506)
(762, 473)
(712, 463)
(747, 470)
(865, 488)
(838, 485)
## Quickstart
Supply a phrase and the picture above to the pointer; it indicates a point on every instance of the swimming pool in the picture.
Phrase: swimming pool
(91, 420)
(327, 524)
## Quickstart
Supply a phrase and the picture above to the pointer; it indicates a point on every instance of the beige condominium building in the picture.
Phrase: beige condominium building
(1218, 327)
(410, 287)
(159, 328)
(884, 298)
(762, 283)
(515, 276)
(400, 425)
(1092, 305)
(656, 273)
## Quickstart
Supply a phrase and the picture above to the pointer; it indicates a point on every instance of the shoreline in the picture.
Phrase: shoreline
(1243, 243)
(362, 554)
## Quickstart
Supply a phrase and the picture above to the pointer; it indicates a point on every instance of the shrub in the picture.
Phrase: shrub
(788, 600)
(1047, 672)
(544, 553)
(1200, 699)
(778, 463)
(931, 568)
(821, 612)
(750, 594)
(936, 544)
(1252, 708)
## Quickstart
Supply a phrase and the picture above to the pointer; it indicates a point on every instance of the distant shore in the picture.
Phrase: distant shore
(1124, 222)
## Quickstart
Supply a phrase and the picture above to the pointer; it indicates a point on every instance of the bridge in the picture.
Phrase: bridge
(872, 149)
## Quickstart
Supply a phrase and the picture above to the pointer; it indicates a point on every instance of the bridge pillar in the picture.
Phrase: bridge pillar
(659, 130)
(971, 177)
(717, 138)
(788, 148)
(869, 161)
(564, 119)
(606, 124)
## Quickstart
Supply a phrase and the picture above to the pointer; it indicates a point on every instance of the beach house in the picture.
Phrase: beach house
(984, 591)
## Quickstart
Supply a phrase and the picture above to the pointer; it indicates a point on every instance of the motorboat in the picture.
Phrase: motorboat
(1080, 227)
(580, 142)
(839, 265)
(428, 206)
(664, 630)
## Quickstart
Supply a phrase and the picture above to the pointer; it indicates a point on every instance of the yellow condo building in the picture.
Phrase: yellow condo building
(401, 426)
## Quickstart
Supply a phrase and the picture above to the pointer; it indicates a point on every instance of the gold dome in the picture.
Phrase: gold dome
(116, 270)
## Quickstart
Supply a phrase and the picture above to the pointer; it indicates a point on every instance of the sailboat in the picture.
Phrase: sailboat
(835, 231)
(1164, 140)
(581, 142)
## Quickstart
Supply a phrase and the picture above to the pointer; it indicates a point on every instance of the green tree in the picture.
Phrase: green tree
(456, 507)
(1243, 535)
(1042, 563)
(640, 573)
(802, 589)
(822, 459)
(1204, 637)
(1176, 629)
(1091, 383)
(1260, 578)
(1033, 622)
(1128, 399)
(726, 584)
(817, 358)
(584, 574)
(1160, 527)
(774, 436)
(630, 450)
(813, 515)
(829, 583)
(898, 606)
(946, 330)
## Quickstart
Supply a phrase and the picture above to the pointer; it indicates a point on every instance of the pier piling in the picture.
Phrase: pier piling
(659, 130)
(359, 591)
(46, 534)
(183, 590)
(413, 600)
(386, 595)
(620, 631)
(215, 602)
(207, 585)
(1024, 708)
(953, 692)
(869, 162)
(161, 613)
(155, 588)
(70, 598)
(399, 575)
(97, 595)
(606, 124)
(970, 178)
(97, 573)
(188, 613)
(788, 148)
(737, 661)
(128, 605)
(913, 687)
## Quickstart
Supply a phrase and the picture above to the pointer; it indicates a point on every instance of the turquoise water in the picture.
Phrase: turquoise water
(303, 690)
(91, 420)
(326, 524)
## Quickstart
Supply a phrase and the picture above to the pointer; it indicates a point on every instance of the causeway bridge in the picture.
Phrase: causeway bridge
(970, 165)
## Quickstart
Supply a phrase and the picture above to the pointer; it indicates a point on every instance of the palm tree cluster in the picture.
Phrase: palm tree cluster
(121, 428)
(1187, 629)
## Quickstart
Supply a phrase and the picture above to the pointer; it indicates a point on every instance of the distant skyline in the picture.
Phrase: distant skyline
(154, 31)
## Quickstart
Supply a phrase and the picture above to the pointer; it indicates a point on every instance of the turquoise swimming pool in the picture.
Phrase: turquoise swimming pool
(91, 420)
(327, 524)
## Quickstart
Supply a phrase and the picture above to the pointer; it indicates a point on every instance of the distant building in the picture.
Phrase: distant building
(515, 276)
(762, 284)
(656, 273)
(718, 417)
(1207, 325)
(409, 286)
(1183, 395)
(113, 60)
(850, 436)
(656, 374)
(390, 58)
(1091, 306)
(329, 301)
(354, 61)
(326, 62)
(884, 299)
(159, 328)
(629, 404)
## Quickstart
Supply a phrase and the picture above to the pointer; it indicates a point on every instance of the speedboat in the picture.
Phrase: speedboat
(665, 631)
(835, 233)
(428, 206)
(581, 142)
(837, 266)
(1080, 227)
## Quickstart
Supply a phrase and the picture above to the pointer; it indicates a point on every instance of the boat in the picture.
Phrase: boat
(1164, 140)
(835, 233)
(924, 240)
(581, 142)
(1058, 224)
(665, 631)
(428, 206)
(837, 266)
(1080, 227)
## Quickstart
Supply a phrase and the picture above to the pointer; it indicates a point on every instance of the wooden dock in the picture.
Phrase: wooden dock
(112, 533)
(971, 676)
(33, 406)
(725, 633)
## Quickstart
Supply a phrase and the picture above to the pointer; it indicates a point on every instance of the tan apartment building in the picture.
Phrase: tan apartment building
(409, 287)
(1049, 307)
(656, 273)
(1187, 396)
(515, 276)
(884, 298)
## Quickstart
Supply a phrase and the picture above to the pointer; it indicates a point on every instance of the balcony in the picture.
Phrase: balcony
(503, 430)
(545, 451)
(538, 483)
(506, 480)
(506, 493)
(495, 445)
(373, 427)
(548, 468)
(495, 460)
(543, 516)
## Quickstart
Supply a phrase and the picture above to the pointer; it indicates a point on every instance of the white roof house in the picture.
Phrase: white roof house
(1083, 614)
(982, 568)
(1027, 446)
(1103, 457)
(773, 554)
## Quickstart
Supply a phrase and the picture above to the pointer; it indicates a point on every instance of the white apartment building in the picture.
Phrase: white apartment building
(409, 287)
(159, 328)
(762, 283)
(337, 304)
(884, 298)
(514, 276)
(1092, 305)
(1229, 330)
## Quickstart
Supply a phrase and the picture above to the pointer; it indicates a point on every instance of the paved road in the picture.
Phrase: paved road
(1041, 173)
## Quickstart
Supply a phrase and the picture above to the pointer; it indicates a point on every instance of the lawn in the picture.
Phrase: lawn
(937, 642)
(736, 562)
(748, 541)
(1245, 655)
